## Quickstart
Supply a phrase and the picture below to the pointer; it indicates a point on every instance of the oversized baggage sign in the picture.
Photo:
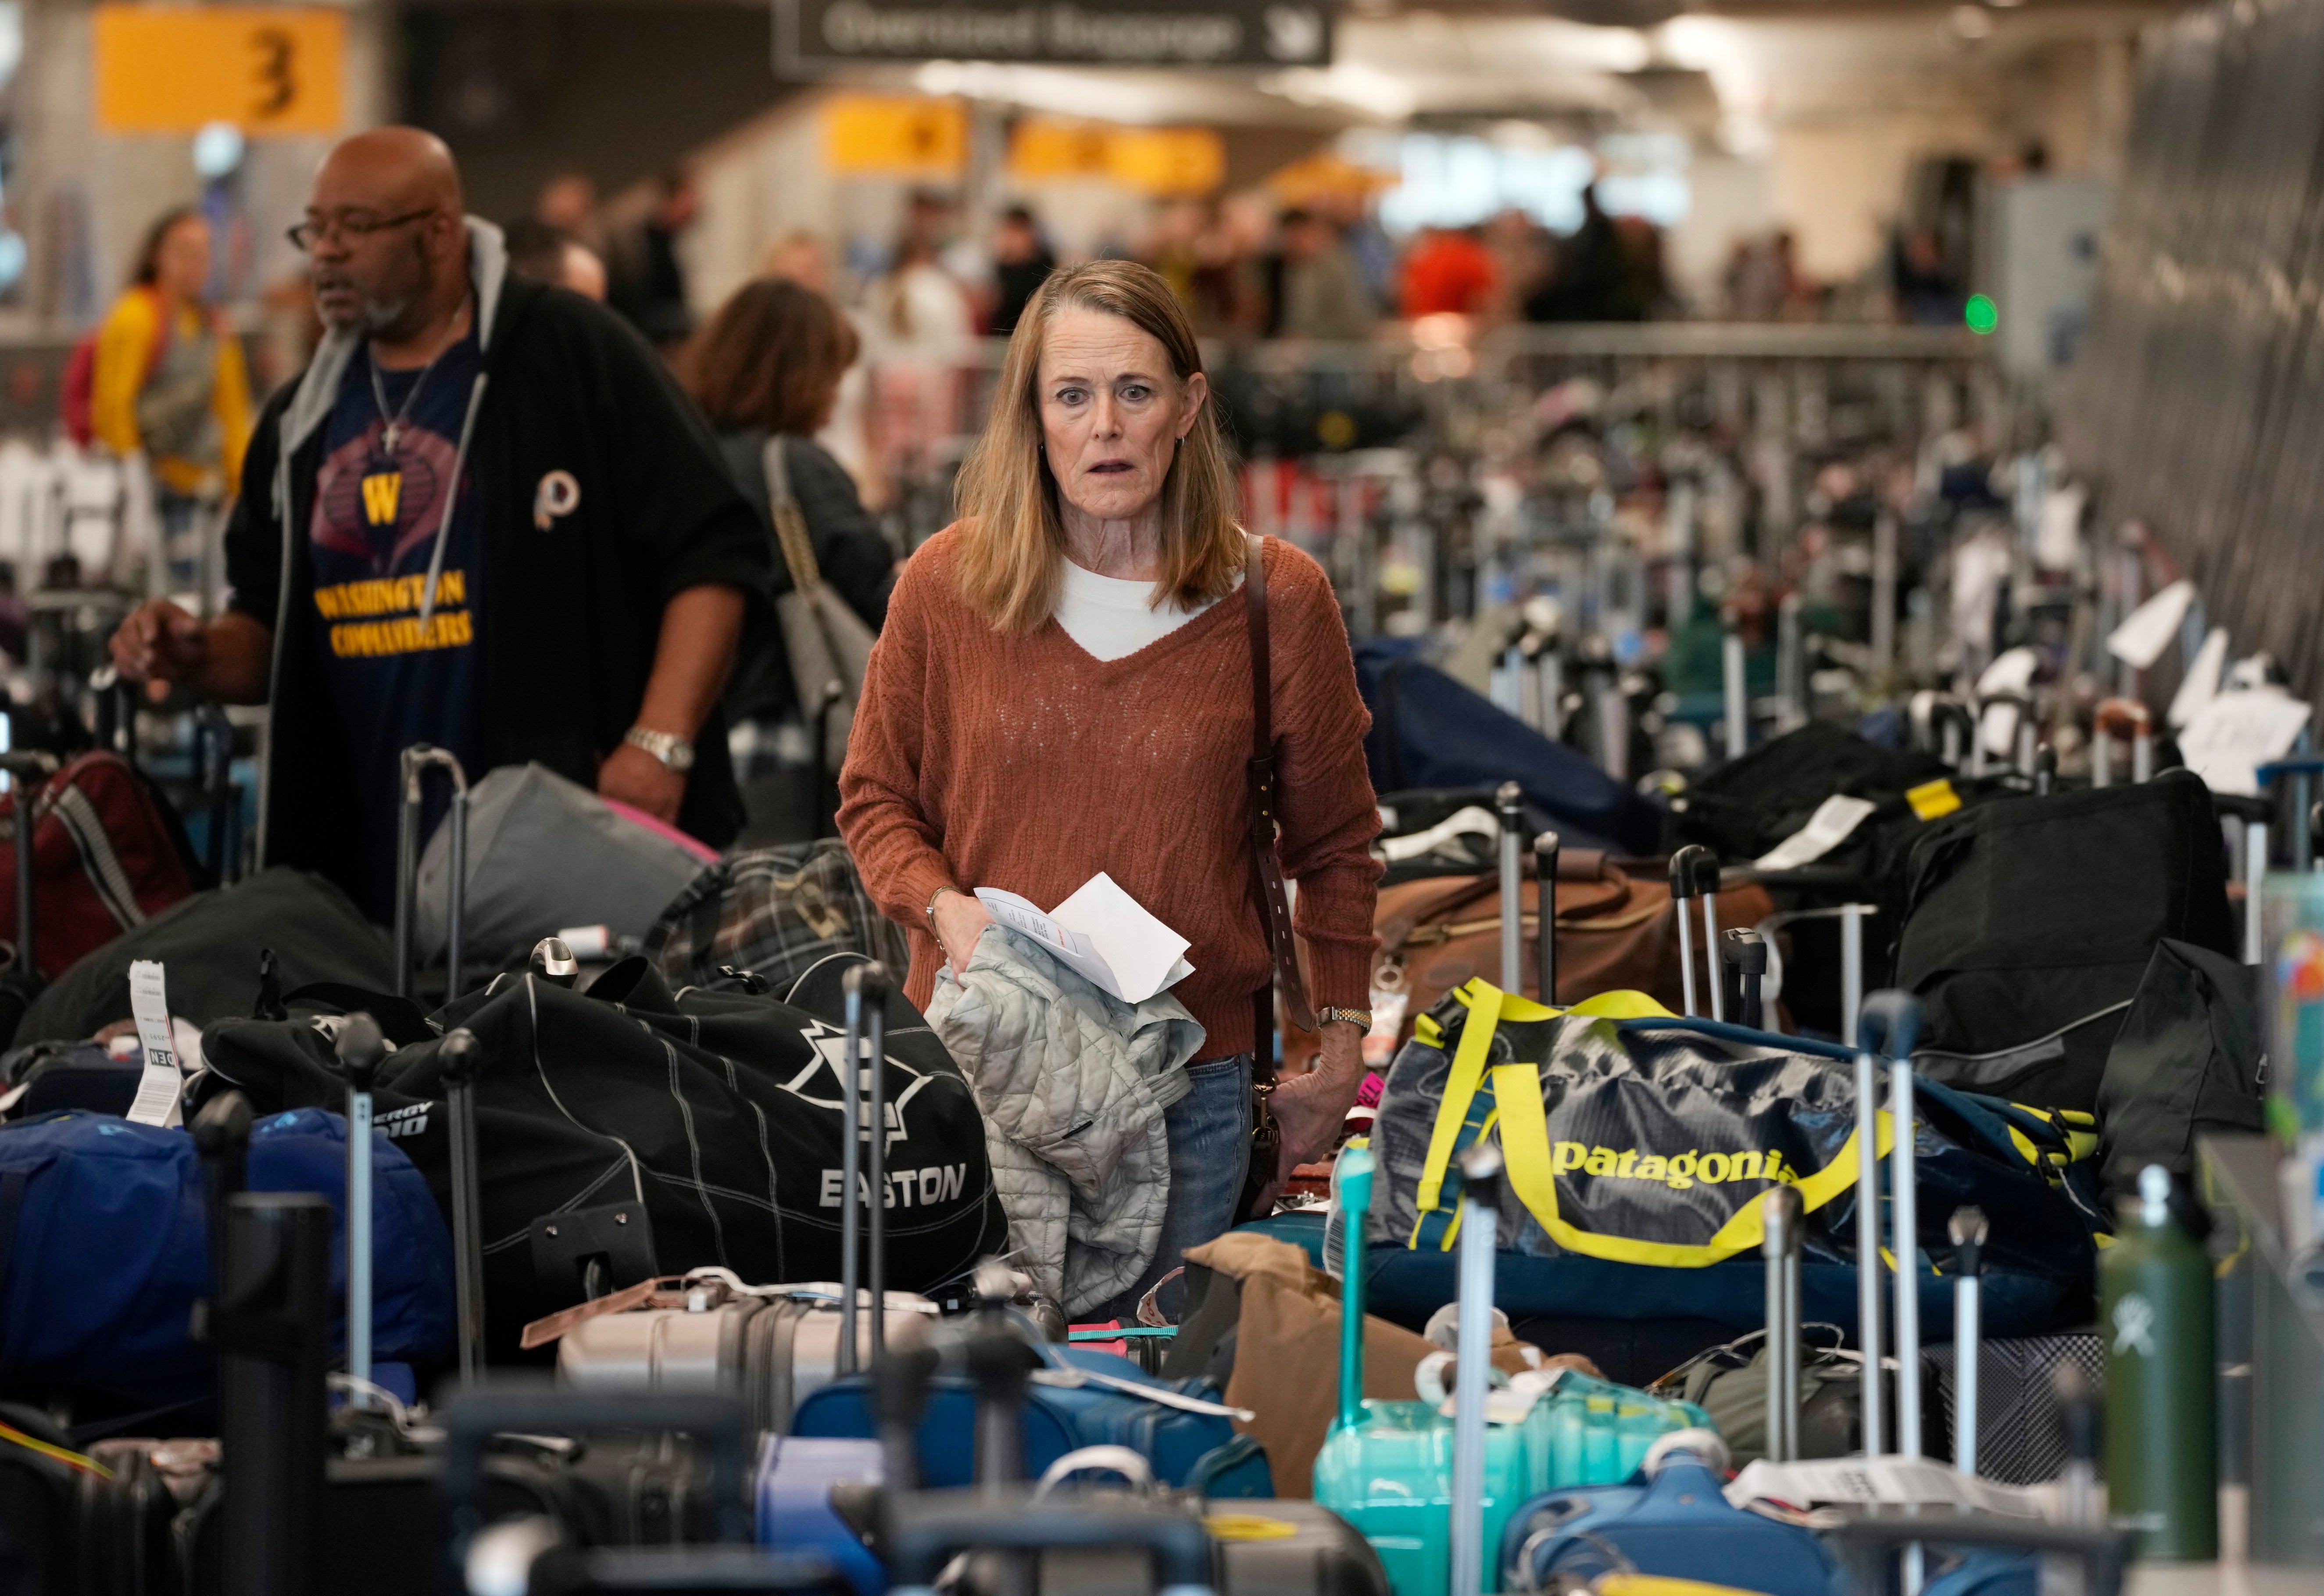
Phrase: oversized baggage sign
(811, 35)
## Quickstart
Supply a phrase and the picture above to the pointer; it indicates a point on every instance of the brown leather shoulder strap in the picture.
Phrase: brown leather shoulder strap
(1275, 903)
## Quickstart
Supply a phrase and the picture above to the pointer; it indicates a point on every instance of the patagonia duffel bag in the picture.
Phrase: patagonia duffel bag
(1639, 1144)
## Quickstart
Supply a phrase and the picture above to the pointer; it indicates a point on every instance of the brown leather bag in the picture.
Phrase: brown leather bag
(1615, 932)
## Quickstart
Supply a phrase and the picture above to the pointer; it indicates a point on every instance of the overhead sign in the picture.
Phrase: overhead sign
(1159, 160)
(894, 136)
(178, 70)
(810, 34)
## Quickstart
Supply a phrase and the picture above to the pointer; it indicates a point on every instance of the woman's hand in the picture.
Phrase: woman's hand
(1310, 1109)
(960, 921)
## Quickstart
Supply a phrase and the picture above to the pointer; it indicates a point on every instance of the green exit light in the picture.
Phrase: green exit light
(1981, 314)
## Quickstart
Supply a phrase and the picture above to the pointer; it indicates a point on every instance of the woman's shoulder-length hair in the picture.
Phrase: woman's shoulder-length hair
(1011, 562)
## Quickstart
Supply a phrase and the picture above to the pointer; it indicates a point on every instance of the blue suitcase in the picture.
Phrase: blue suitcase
(1672, 1521)
(796, 1511)
(1178, 1426)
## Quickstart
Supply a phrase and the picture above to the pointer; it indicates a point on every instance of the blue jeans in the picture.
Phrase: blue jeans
(1210, 1147)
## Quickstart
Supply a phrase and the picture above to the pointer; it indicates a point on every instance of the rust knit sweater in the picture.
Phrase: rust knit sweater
(978, 760)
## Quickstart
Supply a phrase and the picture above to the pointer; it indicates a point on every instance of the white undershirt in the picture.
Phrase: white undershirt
(1111, 618)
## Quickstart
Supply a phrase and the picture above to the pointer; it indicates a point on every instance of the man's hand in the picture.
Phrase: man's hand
(631, 775)
(160, 643)
(1310, 1109)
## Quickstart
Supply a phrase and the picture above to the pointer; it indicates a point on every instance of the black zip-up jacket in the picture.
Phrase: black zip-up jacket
(573, 611)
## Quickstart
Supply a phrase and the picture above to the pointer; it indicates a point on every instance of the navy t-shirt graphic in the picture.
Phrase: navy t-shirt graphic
(376, 512)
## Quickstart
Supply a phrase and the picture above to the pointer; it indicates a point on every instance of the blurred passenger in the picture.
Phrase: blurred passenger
(167, 379)
(922, 336)
(1448, 270)
(568, 203)
(1322, 291)
(800, 256)
(766, 370)
(538, 253)
(648, 281)
(1926, 292)
(1638, 288)
(1587, 285)
(1021, 263)
(1764, 283)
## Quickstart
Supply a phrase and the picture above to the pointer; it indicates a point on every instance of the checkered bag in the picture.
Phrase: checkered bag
(2021, 1430)
(769, 914)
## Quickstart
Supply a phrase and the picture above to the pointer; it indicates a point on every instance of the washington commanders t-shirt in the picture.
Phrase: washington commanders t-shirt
(391, 682)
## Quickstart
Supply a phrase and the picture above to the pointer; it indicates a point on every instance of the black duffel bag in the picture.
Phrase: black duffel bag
(719, 1111)
(2029, 922)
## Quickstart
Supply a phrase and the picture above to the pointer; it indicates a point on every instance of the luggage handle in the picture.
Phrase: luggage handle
(925, 1533)
(1867, 1543)
(415, 764)
(28, 771)
(722, 1424)
(1097, 1460)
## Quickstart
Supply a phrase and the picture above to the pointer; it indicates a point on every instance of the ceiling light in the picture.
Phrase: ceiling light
(1972, 22)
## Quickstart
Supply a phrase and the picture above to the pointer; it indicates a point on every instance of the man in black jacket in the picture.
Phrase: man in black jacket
(485, 518)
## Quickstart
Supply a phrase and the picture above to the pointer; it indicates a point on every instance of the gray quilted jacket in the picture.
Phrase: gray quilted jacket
(1073, 1083)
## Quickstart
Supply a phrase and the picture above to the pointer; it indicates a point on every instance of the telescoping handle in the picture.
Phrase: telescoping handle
(1544, 887)
(462, 1060)
(1694, 873)
(1781, 1210)
(1890, 1026)
(871, 981)
(2117, 718)
(221, 1134)
(416, 762)
(1968, 1228)
(361, 1049)
(1481, 1187)
(1509, 802)
(1355, 1172)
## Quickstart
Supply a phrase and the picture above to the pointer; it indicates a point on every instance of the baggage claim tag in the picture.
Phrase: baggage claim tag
(158, 1092)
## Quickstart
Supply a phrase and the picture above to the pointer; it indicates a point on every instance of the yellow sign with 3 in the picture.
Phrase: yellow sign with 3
(176, 69)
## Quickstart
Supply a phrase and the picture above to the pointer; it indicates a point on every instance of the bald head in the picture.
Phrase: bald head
(400, 168)
(387, 235)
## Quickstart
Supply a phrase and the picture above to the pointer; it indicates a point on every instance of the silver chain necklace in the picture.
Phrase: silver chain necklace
(393, 434)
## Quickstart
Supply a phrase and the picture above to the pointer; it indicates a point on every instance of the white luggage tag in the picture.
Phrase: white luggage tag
(159, 1091)
(1877, 1482)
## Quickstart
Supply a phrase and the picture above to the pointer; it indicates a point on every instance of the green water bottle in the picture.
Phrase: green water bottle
(2162, 1448)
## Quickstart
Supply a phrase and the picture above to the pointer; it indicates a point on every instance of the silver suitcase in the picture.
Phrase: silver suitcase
(773, 1345)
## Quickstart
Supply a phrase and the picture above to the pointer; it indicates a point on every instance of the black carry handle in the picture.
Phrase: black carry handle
(924, 1533)
(1745, 953)
(1868, 1545)
(720, 1424)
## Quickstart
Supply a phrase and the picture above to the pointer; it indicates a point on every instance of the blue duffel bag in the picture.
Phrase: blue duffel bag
(1084, 1398)
(105, 1248)
(1429, 731)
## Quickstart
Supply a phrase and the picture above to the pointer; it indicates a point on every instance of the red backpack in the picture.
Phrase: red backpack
(78, 396)
(107, 854)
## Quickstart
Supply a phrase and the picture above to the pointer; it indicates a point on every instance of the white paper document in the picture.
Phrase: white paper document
(1826, 829)
(1103, 934)
(158, 1088)
(2202, 681)
(2237, 732)
(2139, 641)
(1877, 1482)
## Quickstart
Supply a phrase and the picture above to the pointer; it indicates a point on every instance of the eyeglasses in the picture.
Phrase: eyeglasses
(306, 235)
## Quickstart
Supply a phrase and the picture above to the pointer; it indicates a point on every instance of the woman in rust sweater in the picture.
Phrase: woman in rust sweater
(1059, 691)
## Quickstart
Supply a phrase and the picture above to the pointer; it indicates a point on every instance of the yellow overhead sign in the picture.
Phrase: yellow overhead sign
(1150, 160)
(176, 69)
(894, 136)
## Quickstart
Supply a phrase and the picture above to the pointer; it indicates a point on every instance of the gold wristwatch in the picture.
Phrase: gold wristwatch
(1361, 1019)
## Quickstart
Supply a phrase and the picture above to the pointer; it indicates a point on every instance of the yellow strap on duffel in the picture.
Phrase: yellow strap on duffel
(1523, 1134)
(1525, 1145)
(1488, 1004)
